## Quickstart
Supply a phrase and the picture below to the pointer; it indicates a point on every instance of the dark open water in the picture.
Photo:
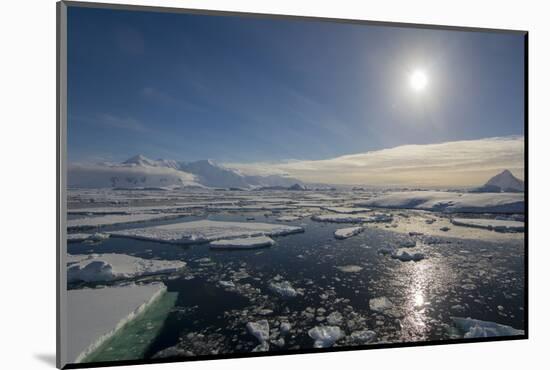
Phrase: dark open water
(467, 278)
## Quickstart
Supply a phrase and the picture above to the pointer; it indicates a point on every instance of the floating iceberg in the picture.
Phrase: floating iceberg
(243, 243)
(325, 336)
(496, 225)
(347, 232)
(111, 266)
(482, 329)
(95, 315)
(204, 231)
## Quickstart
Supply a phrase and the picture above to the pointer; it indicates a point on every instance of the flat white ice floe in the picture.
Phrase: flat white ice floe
(347, 210)
(111, 266)
(481, 329)
(444, 201)
(325, 336)
(77, 237)
(110, 220)
(204, 231)
(353, 218)
(95, 315)
(283, 288)
(80, 237)
(348, 232)
(496, 225)
(243, 243)
(288, 218)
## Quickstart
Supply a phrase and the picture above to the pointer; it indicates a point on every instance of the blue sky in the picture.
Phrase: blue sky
(236, 89)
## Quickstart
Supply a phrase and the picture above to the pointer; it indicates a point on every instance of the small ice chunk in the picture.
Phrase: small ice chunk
(283, 288)
(362, 336)
(335, 318)
(404, 256)
(349, 268)
(347, 232)
(482, 329)
(285, 328)
(259, 329)
(325, 336)
(380, 304)
(227, 284)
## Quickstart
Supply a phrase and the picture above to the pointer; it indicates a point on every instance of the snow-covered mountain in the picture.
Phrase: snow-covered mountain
(213, 175)
(142, 172)
(128, 175)
(503, 182)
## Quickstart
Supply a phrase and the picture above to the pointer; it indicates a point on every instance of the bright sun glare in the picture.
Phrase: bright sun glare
(418, 80)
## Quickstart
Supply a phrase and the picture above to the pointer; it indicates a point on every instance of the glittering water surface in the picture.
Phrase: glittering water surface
(481, 279)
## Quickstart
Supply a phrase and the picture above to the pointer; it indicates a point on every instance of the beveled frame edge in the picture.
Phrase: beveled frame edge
(61, 184)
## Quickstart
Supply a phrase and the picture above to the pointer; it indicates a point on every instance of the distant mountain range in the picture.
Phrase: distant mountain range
(141, 172)
(504, 182)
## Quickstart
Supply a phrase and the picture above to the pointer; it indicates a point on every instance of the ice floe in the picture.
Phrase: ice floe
(111, 266)
(348, 232)
(346, 210)
(206, 231)
(243, 243)
(111, 220)
(325, 336)
(353, 218)
(288, 218)
(496, 225)
(95, 315)
(444, 201)
(481, 329)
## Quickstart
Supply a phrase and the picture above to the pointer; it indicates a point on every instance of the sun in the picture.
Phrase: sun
(418, 80)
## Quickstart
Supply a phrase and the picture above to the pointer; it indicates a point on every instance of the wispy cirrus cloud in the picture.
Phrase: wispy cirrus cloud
(457, 163)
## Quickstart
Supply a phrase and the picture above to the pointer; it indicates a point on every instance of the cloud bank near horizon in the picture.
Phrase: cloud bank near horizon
(457, 163)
